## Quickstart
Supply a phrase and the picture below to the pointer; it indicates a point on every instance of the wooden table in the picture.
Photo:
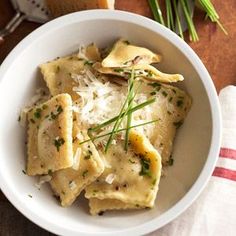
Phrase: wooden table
(217, 51)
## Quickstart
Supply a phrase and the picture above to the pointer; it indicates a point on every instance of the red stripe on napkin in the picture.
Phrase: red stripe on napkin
(224, 173)
(228, 153)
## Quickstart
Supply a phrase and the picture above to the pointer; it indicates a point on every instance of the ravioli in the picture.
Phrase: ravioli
(92, 53)
(68, 183)
(170, 109)
(143, 71)
(50, 136)
(136, 173)
(58, 74)
(123, 54)
(98, 206)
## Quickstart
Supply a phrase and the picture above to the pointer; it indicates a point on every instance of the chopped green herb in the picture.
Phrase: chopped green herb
(153, 93)
(24, 172)
(131, 161)
(37, 113)
(145, 170)
(32, 121)
(126, 42)
(30, 195)
(154, 181)
(90, 63)
(58, 142)
(150, 74)
(171, 161)
(178, 124)
(174, 91)
(19, 118)
(59, 111)
(164, 93)
(158, 88)
(49, 172)
(179, 103)
(58, 69)
(170, 99)
(84, 173)
(118, 70)
(155, 84)
(86, 157)
(44, 106)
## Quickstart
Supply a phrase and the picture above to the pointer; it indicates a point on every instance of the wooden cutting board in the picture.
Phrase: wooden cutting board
(217, 51)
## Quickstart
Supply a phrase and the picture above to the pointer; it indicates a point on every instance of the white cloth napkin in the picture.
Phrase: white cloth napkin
(214, 212)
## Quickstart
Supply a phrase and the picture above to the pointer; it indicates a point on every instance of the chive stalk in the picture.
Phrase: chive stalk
(117, 131)
(178, 19)
(130, 104)
(117, 123)
(169, 15)
(191, 27)
(211, 13)
(110, 121)
(156, 11)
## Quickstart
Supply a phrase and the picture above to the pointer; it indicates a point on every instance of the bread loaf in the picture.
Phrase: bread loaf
(62, 7)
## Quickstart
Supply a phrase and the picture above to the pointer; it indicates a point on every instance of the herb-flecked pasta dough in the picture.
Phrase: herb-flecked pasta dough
(98, 206)
(131, 183)
(68, 183)
(50, 136)
(124, 54)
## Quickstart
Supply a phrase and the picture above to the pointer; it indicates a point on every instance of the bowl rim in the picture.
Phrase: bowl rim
(209, 165)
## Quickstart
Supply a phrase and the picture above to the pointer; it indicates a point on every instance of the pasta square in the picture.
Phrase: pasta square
(132, 177)
(170, 109)
(98, 206)
(88, 165)
(58, 74)
(50, 136)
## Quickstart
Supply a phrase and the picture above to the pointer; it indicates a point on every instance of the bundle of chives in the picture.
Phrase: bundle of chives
(174, 9)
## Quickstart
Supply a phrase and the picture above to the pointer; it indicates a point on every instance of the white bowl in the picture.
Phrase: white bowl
(196, 146)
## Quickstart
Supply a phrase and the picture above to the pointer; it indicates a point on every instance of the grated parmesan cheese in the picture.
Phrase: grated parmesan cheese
(99, 100)
(110, 178)
(76, 160)
(72, 185)
(43, 179)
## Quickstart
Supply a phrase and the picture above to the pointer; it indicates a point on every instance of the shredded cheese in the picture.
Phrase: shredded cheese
(110, 178)
(43, 179)
(76, 160)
